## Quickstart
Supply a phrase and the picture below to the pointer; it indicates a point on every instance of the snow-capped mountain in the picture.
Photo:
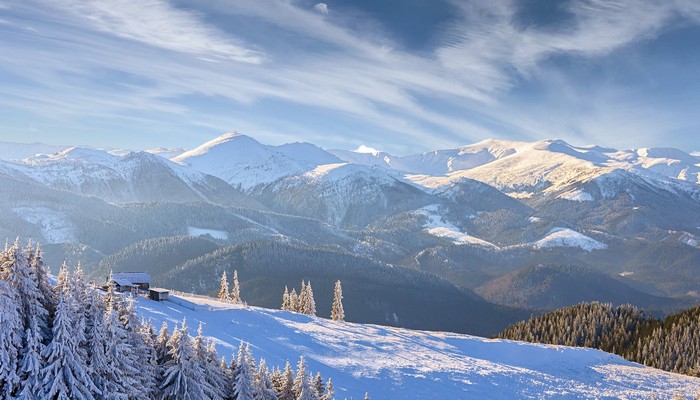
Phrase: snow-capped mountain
(246, 164)
(128, 178)
(469, 214)
(394, 363)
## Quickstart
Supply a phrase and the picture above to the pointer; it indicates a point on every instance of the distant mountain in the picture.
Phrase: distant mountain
(134, 177)
(246, 164)
(550, 287)
(471, 214)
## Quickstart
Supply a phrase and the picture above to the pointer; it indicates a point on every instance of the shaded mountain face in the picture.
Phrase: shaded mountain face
(549, 287)
(470, 215)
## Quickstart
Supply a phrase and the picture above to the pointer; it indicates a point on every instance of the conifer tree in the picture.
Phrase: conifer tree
(96, 337)
(224, 294)
(121, 373)
(309, 301)
(366, 396)
(302, 387)
(31, 363)
(264, 385)
(15, 270)
(40, 273)
(285, 388)
(337, 311)
(330, 391)
(10, 340)
(182, 375)
(236, 290)
(318, 385)
(294, 301)
(213, 379)
(244, 386)
(285, 300)
(64, 375)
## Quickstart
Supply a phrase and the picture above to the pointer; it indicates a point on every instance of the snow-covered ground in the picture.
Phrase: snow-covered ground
(55, 225)
(564, 237)
(394, 363)
(437, 225)
(216, 234)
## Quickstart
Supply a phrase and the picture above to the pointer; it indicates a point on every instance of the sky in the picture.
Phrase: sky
(402, 76)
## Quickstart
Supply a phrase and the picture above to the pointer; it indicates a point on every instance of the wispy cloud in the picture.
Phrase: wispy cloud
(157, 23)
(120, 57)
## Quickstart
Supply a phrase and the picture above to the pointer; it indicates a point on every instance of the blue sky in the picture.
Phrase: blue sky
(402, 76)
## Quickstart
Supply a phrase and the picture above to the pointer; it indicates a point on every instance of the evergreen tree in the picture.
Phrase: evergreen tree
(10, 339)
(236, 290)
(96, 340)
(65, 376)
(337, 311)
(330, 391)
(244, 386)
(15, 270)
(121, 372)
(285, 300)
(302, 387)
(265, 390)
(213, 384)
(366, 396)
(309, 301)
(31, 363)
(162, 344)
(318, 385)
(224, 294)
(285, 389)
(294, 301)
(40, 273)
(182, 376)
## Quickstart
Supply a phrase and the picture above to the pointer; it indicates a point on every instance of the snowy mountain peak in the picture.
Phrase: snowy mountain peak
(220, 146)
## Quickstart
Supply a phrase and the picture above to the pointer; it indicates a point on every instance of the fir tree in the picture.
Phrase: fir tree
(31, 363)
(236, 290)
(15, 270)
(224, 294)
(264, 385)
(330, 391)
(65, 376)
(162, 344)
(10, 339)
(285, 389)
(318, 385)
(285, 300)
(302, 387)
(309, 301)
(40, 273)
(213, 378)
(244, 386)
(337, 311)
(294, 301)
(182, 375)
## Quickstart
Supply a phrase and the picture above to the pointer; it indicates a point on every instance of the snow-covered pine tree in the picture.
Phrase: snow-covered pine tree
(302, 386)
(182, 375)
(244, 388)
(121, 372)
(31, 363)
(330, 391)
(10, 340)
(236, 290)
(285, 386)
(15, 271)
(40, 274)
(337, 311)
(285, 300)
(302, 299)
(64, 376)
(318, 385)
(144, 376)
(213, 383)
(95, 336)
(366, 396)
(224, 294)
(149, 358)
(294, 301)
(162, 344)
(266, 390)
(309, 301)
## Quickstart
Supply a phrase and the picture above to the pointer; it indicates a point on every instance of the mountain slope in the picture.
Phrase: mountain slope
(548, 287)
(245, 163)
(394, 363)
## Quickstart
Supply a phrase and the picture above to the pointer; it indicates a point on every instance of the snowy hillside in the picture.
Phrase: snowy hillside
(245, 163)
(393, 363)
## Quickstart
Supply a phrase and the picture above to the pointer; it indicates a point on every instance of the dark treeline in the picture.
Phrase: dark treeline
(671, 344)
(70, 341)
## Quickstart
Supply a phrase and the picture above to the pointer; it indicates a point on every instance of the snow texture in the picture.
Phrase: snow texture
(438, 225)
(564, 237)
(216, 234)
(394, 363)
(55, 225)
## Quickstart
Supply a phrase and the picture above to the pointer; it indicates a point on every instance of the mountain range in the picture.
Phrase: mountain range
(481, 220)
